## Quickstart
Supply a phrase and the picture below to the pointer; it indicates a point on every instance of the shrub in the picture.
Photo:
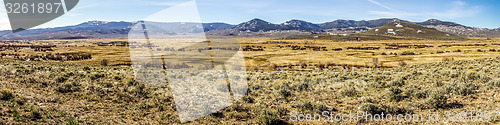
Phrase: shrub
(140, 90)
(447, 59)
(421, 94)
(302, 86)
(69, 74)
(306, 105)
(285, 92)
(35, 114)
(86, 68)
(107, 85)
(6, 94)
(131, 82)
(399, 82)
(81, 75)
(463, 89)
(484, 78)
(117, 77)
(320, 108)
(104, 62)
(494, 83)
(471, 76)
(96, 76)
(466, 89)
(267, 117)
(402, 63)
(348, 92)
(68, 87)
(282, 111)
(407, 53)
(394, 94)
(19, 101)
(17, 115)
(438, 83)
(72, 122)
(61, 79)
(255, 87)
(367, 99)
(416, 92)
(247, 99)
(370, 108)
(436, 100)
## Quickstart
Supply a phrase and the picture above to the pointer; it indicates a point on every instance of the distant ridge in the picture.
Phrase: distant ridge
(254, 27)
(90, 29)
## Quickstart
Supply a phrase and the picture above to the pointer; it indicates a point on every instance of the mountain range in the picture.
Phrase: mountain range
(398, 30)
(254, 27)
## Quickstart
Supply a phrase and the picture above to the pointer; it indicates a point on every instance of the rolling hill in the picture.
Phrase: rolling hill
(461, 30)
(392, 30)
(436, 22)
(407, 30)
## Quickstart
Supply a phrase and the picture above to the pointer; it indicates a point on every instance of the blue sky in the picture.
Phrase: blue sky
(476, 13)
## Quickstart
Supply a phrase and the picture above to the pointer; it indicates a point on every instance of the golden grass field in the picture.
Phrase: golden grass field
(278, 55)
(87, 92)
(273, 54)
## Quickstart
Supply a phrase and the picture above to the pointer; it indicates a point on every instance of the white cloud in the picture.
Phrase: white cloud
(459, 9)
(375, 2)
